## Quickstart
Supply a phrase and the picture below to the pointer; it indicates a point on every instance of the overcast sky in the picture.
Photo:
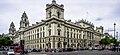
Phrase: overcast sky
(100, 12)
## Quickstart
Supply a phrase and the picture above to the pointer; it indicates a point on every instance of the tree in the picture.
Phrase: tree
(5, 41)
(113, 40)
(105, 41)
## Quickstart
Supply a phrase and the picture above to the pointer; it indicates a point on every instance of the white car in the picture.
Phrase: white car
(10, 52)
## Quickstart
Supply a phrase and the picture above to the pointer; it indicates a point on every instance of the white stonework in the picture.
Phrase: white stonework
(56, 32)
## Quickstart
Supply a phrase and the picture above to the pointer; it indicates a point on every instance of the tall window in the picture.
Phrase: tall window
(71, 34)
(43, 28)
(40, 34)
(77, 35)
(49, 39)
(58, 25)
(58, 14)
(37, 35)
(58, 32)
(59, 39)
(40, 29)
(68, 34)
(71, 29)
(25, 25)
(49, 32)
(43, 40)
(43, 45)
(49, 25)
(43, 34)
(37, 30)
(74, 35)
(49, 14)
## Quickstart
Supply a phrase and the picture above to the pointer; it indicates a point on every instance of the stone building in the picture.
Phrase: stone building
(56, 32)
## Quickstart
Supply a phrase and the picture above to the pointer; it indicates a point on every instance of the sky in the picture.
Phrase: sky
(99, 12)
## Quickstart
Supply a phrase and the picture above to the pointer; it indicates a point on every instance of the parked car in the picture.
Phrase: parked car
(10, 52)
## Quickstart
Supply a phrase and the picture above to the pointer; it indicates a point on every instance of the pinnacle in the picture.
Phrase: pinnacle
(24, 14)
(53, 2)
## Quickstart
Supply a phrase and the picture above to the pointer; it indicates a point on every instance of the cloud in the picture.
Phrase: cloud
(98, 19)
(109, 30)
(105, 11)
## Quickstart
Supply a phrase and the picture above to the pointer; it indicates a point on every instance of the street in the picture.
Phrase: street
(86, 52)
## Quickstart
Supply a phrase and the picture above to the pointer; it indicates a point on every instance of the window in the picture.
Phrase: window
(64, 39)
(29, 37)
(77, 35)
(71, 40)
(40, 29)
(67, 34)
(59, 39)
(49, 25)
(43, 34)
(43, 45)
(40, 34)
(71, 35)
(37, 35)
(25, 19)
(74, 35)
(49, 32)
(49, 39)
(37, 30)
(58, 14)
(67, 28)
(75, 41)
(40, 40)
(58, 32)
(43, 28)
(25, 25)
(43, 40)
(58, 25)
(49, 14)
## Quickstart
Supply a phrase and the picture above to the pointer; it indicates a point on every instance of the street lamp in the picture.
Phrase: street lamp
(117, 35)
(114, 29)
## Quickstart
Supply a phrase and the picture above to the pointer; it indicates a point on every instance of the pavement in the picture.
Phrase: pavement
(86, 52)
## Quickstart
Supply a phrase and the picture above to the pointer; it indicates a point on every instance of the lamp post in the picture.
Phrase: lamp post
(117, 35)
(114, 29)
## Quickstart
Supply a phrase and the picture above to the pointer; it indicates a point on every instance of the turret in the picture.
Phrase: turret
(99, 29)
(12, 29)
(24, 22)
(54, 10)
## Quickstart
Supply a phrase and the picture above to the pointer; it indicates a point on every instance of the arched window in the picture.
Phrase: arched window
(49, 14)
(59, 32)
(58, 14)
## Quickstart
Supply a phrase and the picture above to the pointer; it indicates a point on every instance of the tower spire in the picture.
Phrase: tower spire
(12, 28)
(24, 22)
(24, 14)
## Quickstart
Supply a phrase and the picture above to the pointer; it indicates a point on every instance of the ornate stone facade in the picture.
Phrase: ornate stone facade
(56, 32)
